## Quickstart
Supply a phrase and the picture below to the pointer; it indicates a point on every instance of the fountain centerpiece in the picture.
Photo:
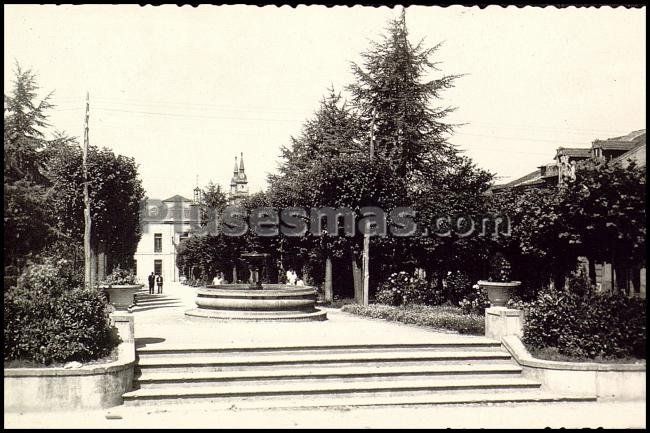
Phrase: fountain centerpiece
(256, 261)
(257, 300)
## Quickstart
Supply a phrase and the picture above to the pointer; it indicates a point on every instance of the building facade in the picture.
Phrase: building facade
(630, 147)
(164, 224)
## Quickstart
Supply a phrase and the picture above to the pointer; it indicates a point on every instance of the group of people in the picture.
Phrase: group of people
(155, 279)
(293, 279)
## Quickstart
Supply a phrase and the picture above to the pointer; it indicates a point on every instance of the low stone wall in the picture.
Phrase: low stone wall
(87, 387)
(604, 381)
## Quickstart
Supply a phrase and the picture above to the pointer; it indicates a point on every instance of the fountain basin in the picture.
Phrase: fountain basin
(273, 302)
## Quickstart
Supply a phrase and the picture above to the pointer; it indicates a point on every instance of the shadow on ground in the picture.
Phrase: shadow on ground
(142, 342)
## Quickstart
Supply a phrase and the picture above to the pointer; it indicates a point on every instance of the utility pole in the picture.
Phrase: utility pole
(87, 221)
(372, 133)
(366, 236)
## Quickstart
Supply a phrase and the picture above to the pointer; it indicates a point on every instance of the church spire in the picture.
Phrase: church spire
(235, 170)
(241, 163)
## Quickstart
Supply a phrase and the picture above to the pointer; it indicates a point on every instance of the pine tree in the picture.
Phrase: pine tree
(392, 95)
(27, 220)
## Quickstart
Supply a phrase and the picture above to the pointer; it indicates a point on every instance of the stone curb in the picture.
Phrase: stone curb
(513, 344)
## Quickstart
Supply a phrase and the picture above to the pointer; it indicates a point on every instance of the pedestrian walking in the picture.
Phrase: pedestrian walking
(159, 281)
(152, 279)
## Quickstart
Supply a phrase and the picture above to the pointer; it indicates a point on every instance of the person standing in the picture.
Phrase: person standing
(151, 283)
(159, 281)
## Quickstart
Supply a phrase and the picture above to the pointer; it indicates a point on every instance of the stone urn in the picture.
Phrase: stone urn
(499, 292)
(121, 296)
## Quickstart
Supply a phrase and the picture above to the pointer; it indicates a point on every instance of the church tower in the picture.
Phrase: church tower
(239, 182)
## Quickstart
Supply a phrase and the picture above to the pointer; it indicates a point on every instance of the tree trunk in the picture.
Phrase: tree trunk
(93, 268)
(329, 295)
(101, 261)
(592, 271)
(366, 270)
(357, 280)
(234, 274)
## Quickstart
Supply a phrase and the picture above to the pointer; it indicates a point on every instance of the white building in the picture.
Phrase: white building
(164, 224)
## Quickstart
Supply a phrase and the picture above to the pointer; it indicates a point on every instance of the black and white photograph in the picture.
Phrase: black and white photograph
(324, 216)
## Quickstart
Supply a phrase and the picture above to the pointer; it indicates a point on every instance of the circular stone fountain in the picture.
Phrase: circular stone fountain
(257, 301)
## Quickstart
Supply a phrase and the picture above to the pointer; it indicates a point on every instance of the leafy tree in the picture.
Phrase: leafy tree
(535, 249)
(115, 192)
(603, 214)
(213, 201)
(600, 215)
(43, 202)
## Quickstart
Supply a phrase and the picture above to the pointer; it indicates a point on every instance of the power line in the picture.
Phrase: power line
(521, 138)
(267, 109)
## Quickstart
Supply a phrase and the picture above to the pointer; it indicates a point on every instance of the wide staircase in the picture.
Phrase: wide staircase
(467, 371)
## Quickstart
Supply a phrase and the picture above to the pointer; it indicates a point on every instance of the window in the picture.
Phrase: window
(157, 243)
(157, 267)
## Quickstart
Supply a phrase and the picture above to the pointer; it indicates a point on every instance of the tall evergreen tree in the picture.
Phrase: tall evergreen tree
(393, 96)
(27, 217)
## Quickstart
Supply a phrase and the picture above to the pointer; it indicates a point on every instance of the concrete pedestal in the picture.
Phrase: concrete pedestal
(125, 325)
(502, 321)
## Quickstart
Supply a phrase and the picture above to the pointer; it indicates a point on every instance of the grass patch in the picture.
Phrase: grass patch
(553, 354)
(439, 317)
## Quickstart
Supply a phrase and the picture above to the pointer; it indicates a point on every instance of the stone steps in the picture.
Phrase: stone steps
(367, 389)
(193, 351)
(216, 362)
(450, 371)
(534, 396)
(150, 379)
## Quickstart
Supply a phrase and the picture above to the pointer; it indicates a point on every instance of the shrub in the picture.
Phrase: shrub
(441, 317)
(475, 302)
(402, 288)
(49, 276)
(47, 321)
(600, 325)
(578, 282)
(459, 286)
(120, 276)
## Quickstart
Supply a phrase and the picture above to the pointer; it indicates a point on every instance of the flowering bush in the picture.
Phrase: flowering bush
(119, 277)
(49, 276)
(475, 302)
(500, 268)
(402, 288)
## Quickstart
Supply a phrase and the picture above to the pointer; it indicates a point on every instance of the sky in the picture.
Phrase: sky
(184, 90)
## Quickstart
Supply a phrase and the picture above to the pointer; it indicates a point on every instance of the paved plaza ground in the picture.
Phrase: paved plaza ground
(162, 322)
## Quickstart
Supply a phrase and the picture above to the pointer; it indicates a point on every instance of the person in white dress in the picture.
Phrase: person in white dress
(291, 277)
